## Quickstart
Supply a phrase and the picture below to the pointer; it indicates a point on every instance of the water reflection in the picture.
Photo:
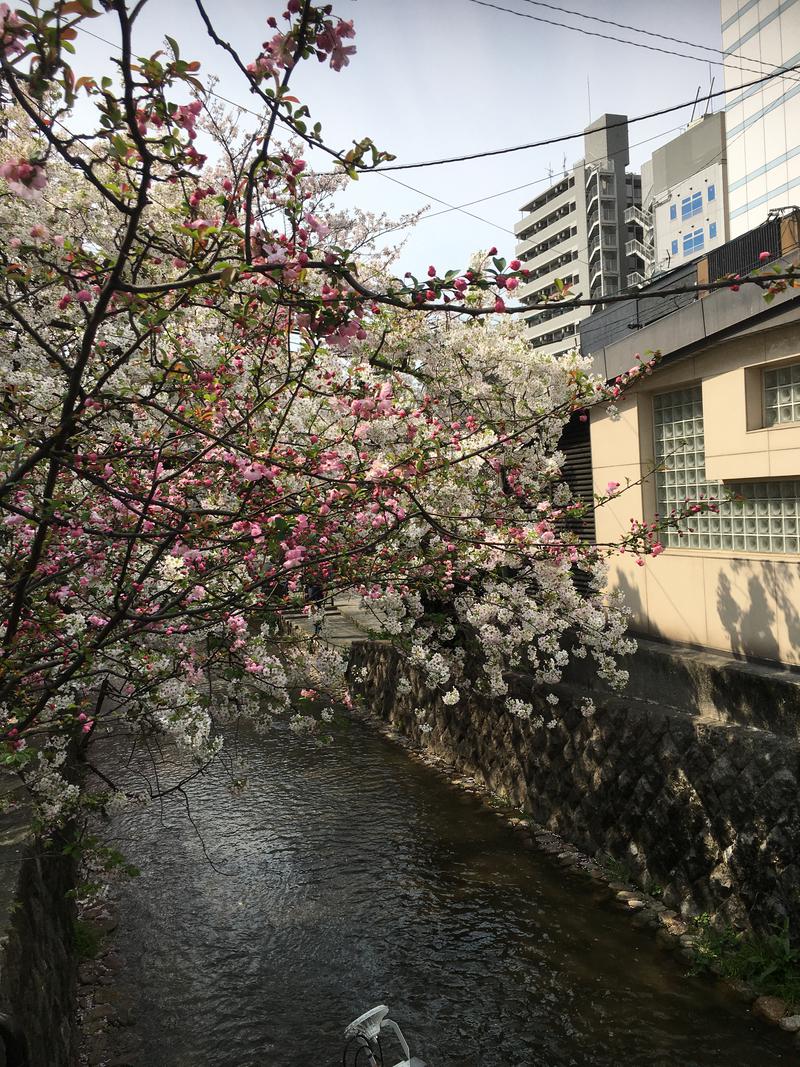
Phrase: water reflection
(349, 875)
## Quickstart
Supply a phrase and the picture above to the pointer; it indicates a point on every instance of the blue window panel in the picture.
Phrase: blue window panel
(674, 248)
(697, 203)
(686, 207)
(712, 230)
(712, 193)
(673, 211)
(693, 241)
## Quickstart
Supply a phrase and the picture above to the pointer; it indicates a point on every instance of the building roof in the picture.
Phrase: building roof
(678, 325)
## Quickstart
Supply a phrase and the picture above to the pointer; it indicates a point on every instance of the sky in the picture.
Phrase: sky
(434, 78)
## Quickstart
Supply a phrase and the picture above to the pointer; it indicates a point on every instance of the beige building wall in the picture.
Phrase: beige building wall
(747, 604)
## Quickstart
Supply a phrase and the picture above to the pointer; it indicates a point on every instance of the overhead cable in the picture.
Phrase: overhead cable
(660, 36)
(574, 136)
(781, 72)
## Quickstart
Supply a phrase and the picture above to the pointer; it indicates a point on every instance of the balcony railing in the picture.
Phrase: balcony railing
(605, 242)
(636, 248)
(638, 217)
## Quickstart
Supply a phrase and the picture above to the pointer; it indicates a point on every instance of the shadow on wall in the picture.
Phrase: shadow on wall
(753, 627)
(751, 621)
(696, 681)
(787, 605)
(640, 623)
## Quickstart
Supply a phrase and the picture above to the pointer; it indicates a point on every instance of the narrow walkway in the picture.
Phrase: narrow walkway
(345, 621)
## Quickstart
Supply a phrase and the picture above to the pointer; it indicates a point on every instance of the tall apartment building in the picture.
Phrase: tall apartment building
(684, 197)
(576, 231)
(758, 38)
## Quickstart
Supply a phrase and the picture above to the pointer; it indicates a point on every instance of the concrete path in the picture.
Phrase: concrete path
(345, 621)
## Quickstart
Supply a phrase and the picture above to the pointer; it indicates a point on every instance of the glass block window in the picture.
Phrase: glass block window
(712, 229)
(763, 517)
(782, 395)
(673, 211)
(712, 193)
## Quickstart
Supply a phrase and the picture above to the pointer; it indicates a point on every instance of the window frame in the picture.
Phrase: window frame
(794, 373)
(694, 241)
(761, 519)
(691, 205)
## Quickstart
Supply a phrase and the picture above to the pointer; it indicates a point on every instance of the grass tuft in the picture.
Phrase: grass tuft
(770, 963)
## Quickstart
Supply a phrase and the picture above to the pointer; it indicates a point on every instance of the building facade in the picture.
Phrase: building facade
(576, 231)
(719, 419)
(760, 37)
(685, 196)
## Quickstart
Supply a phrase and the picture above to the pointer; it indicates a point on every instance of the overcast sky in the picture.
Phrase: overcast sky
(435, 78)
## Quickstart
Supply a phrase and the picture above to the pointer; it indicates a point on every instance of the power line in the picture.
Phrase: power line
(652, 33)
(549, 304)
(611, 37)
(501, 151)
(503, 192)
(447, 206)
(573, 136)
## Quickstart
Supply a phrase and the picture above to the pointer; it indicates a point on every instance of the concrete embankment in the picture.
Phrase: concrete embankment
(38, 964)
(699, 799)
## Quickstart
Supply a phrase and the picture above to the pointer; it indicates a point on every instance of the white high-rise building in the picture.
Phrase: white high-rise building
(576, 232)
(763, 122)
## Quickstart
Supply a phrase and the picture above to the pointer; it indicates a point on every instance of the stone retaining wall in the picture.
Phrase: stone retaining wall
(706, 811)
(37, 957)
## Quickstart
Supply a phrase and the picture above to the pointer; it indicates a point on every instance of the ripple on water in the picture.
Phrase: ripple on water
(349, 875)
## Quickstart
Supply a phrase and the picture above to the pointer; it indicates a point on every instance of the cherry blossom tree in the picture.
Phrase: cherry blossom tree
(217, 401)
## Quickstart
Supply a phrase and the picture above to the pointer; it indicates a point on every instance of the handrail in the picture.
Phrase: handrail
(635, 214)
(636, 248)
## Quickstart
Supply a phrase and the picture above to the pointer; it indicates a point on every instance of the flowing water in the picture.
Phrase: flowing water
(349, 875)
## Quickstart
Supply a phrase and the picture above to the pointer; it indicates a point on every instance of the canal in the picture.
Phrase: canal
(348, 875)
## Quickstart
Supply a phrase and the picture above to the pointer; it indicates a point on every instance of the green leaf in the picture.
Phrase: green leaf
(79, 7)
